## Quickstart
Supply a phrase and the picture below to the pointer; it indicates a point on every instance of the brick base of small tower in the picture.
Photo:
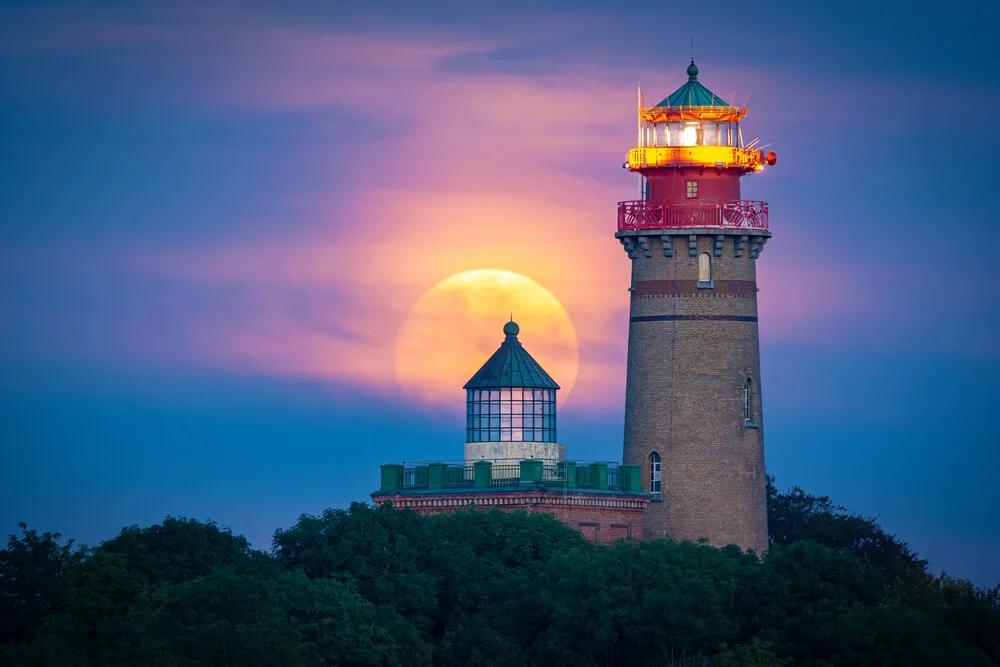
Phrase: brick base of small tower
(605, 516)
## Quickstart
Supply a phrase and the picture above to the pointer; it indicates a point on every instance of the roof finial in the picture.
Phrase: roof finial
(692, 69)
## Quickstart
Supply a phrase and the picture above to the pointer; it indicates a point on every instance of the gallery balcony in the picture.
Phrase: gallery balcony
(694, 155)
(644, 214)
(510, 475)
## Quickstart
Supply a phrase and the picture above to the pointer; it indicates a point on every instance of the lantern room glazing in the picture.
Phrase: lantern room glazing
(511, 414)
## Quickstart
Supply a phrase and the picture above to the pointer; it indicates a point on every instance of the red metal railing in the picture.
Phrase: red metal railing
(744, 214)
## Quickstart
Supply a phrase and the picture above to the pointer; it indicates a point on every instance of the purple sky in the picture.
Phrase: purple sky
(214, 222)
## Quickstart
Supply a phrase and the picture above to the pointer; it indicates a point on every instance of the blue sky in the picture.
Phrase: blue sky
(214, 223)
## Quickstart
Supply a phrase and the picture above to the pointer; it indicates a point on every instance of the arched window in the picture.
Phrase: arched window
(704, 270)
(654, 473)
(747, 399)
(748, 406)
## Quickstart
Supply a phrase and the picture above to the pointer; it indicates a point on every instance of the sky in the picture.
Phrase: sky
(216, 218)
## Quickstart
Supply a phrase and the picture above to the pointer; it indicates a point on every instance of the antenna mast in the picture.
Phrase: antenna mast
(642, 143)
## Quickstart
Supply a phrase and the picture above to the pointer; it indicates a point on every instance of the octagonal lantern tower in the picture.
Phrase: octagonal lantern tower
(693, 417)
(510, 407)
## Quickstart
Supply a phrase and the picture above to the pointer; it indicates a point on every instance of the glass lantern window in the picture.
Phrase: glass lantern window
(516, 415)
(710, 132)
(691, 134)
(674, 134)
(659, 131)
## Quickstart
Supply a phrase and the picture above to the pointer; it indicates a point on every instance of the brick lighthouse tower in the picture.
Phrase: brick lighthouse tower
(693, 414)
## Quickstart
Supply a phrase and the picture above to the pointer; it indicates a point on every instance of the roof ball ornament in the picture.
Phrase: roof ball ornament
(692, 71)
(511, 328)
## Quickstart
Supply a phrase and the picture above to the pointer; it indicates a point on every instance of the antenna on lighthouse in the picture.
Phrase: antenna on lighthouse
(642, 142)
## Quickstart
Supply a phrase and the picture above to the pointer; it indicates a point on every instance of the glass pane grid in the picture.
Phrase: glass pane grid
(511, 415)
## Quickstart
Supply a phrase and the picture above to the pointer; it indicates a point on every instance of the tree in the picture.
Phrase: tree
(795, 516)
(230, 619)
(755, 653)
(385, 588)
(180, 549)
(649, 603)
(378, 551)
(31, 569)
(98, 599)
(808, 587)
(972, 613)
(478, 559)
(101, 590)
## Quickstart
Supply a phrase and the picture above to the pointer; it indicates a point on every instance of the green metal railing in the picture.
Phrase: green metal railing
(414, 477)
(554, 472)
(505, 474)
(613, 481)
(597, 475)
(457, 477)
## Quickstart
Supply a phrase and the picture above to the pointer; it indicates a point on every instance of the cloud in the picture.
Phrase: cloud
(477, 170)
(461, 168)
(51, 29)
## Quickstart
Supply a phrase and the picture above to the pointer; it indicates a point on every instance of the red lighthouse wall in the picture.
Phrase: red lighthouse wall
(714, 184)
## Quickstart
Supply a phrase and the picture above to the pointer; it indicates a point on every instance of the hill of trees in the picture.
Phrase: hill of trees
(377, 586)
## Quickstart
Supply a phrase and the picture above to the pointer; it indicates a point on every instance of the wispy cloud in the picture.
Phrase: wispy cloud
(465, 168)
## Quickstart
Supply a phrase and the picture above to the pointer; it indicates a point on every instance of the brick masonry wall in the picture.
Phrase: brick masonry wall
(684, 394)
(602, 518)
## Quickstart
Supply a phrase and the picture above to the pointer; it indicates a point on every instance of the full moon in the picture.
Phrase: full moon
(455, 326)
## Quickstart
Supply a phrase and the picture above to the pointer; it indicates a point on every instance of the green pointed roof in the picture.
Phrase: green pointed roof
(693, 94)
(511, 366)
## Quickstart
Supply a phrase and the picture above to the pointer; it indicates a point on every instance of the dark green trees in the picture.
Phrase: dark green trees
(795, 516)
(376, 586)
(30, 582)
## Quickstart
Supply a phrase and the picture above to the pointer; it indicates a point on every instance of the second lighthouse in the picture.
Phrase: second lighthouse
(693, 417)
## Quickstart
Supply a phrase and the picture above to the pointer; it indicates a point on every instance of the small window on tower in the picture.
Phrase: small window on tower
(654, 475)
(748, 407)
(692, 189)
(705, 271)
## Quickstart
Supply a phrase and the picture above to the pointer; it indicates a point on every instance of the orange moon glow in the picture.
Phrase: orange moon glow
(456, 325)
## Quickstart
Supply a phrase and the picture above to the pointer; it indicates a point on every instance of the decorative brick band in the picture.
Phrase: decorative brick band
(693, 318)
(735, 289)
(501, 499)
(602, 516)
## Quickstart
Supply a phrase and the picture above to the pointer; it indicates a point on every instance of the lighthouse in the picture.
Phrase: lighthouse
(693, 409)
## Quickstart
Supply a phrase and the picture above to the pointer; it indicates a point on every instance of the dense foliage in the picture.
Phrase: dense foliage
(377, 586)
